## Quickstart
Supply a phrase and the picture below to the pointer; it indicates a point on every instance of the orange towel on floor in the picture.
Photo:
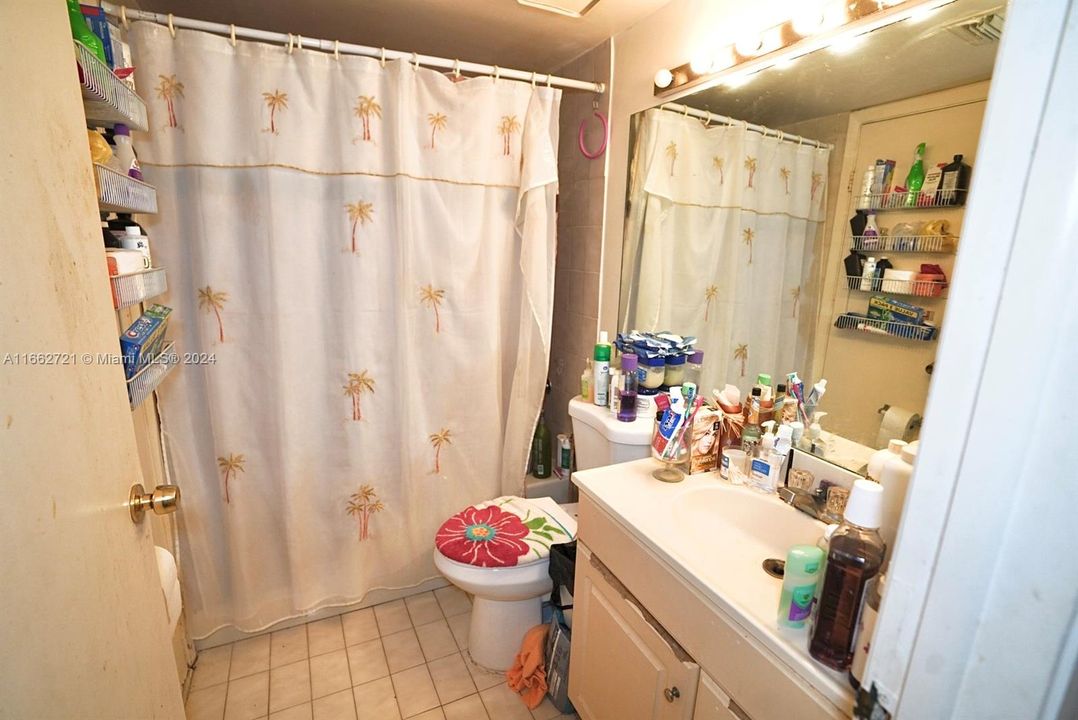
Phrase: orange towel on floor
(528, 674)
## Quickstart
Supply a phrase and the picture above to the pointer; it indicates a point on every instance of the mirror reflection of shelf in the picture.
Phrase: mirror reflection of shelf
(892, 201)
(136, 287)
(937, 244)
(120, 193)
(904, 331)
(146, 380)
(106, 98)
(893, 286)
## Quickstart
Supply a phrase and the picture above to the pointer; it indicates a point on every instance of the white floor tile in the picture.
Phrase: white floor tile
(459, 625)
(469, 708)
(359, 626)
(546, 711)
(338, 706)
(402, 650)
(288, 646)
(289, 685)
(329, 673)
(296, 712)
(392, 617)
(451, 678)
(367, 662)
(250, 656)
(207, 704)
(482, 677)
(248, 697)
(212, 667)
(376, 700)
(325, 636)
(423, 608)
(453, 600)
(415, 691)
(504, 704)
(436, 640)
(435, 714)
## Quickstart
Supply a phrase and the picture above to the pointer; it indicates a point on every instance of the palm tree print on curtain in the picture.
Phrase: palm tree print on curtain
(748, 234)
(720, 165)
(360, 213)
(437, 121)
(439, 440)
(796, 295)
(361, 505)
(276, 100)
(366, 108)
(817, 183)
(358, 383)
(750, 165)
(230, 466)
(709, 295)
(210, 300)
(432, 297)
(741, 352)
(671, 152)
(168, 89)
(784, 173)
(506, 128)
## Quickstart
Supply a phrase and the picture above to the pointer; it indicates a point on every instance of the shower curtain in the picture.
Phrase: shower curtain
(721, 243)
(360, 263)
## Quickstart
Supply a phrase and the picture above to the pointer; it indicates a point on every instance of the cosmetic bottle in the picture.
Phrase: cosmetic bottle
(895, 479)
(799, 581)
(855, 268)
(627, 391)
(675, 370)
(915, 178)
(868, 274)
(133, 239)
(866, 200)
(601, 367)
(954, 183)
(866, 627)
(125, 151)
(854, 557)
(614, 393)
(750, 433)
(585, 381)
(880, 457)
(694, 368)
(870, 238)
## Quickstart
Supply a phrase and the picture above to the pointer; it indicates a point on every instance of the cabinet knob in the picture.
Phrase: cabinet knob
(672, 694)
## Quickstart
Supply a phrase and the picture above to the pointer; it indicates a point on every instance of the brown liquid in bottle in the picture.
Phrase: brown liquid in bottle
(855, 557)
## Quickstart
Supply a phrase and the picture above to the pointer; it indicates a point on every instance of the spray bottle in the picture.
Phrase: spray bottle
(601, 365)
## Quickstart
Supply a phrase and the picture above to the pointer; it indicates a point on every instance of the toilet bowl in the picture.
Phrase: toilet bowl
(508, 599)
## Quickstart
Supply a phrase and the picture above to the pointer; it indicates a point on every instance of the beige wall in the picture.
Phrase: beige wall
(581, 196)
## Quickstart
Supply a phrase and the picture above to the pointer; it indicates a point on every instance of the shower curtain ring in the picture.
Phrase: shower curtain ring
(232, 34)
(123, 17)
(291, 41)
(707, 120)
(171, 27)
(684, 111)
(383, 60)
(415, 61)
(299, 41)
(497, 73)
(533, 78)
(548, 79)
(336, 49)
(456, 68)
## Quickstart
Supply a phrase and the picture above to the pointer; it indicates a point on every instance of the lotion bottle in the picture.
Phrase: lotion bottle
(868, 274)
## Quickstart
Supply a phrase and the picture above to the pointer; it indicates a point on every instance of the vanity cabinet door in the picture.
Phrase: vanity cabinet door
(714, 704)
(624, 665)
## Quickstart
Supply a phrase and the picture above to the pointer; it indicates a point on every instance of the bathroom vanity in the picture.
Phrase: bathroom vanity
(674, 614)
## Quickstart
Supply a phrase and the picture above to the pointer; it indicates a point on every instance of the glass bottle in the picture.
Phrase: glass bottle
(541, 465)
(627, 396)
(854, 558)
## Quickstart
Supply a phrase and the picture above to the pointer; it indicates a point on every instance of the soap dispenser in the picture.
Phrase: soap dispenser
(816, 444)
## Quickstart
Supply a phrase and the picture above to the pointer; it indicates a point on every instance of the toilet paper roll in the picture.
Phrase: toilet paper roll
(898, 424)
(173, 604)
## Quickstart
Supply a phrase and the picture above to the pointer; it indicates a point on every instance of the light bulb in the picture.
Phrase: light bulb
(846, 44)
(663, 78)
(807, 21)
(749, 46)
(701, 64)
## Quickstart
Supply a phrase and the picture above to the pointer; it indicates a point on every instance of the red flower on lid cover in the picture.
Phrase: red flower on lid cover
(487, 537)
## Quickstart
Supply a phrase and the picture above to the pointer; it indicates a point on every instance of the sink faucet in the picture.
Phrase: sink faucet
(810, 503)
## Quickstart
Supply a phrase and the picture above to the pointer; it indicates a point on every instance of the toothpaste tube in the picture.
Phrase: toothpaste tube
(671, 421)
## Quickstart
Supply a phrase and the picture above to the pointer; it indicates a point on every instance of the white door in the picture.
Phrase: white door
(83, 631)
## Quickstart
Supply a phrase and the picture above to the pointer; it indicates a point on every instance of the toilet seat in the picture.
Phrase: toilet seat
(506, 532)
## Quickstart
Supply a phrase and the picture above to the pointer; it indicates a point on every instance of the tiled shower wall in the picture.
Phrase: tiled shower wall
(580, 236)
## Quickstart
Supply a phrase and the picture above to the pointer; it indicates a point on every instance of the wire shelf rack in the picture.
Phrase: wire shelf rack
(146, 380)
(922, 201)
(106, 98)
(120, 193)
(906, 331)
(133, 288)
(904, 243)
(895, 286)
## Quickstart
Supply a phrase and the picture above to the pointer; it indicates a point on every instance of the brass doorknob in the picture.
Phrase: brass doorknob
(163, 500)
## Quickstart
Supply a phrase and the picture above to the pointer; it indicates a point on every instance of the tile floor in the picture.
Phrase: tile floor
(403, 659)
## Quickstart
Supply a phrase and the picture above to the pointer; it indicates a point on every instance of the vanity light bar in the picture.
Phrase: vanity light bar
(838, 22)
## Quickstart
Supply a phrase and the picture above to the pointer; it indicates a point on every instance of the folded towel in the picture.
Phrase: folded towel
(527, 677)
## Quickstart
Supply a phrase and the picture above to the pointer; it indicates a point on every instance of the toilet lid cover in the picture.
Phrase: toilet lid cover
(503, 532)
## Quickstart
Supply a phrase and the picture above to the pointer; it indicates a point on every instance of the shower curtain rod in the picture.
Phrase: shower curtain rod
(333, 46)
(710, 117)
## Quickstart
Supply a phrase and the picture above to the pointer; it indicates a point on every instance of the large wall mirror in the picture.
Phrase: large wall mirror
(765, 219)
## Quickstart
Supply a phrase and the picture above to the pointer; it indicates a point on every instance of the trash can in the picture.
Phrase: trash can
(562, 570)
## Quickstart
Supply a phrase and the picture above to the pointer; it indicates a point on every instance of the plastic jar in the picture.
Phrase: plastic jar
(651, 371)
(675, 370)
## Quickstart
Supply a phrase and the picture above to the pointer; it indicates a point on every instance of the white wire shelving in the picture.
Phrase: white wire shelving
(894, 286)
(941, 244)
(106, 98)
(120, 193)
(905, 331)
(890, 201)
(146, 380)
(136, 287)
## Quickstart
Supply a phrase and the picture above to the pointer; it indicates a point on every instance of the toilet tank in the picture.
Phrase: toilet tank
(601, 439)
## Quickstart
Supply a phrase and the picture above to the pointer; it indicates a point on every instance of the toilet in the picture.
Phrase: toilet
(478, 550)
(481, 550)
